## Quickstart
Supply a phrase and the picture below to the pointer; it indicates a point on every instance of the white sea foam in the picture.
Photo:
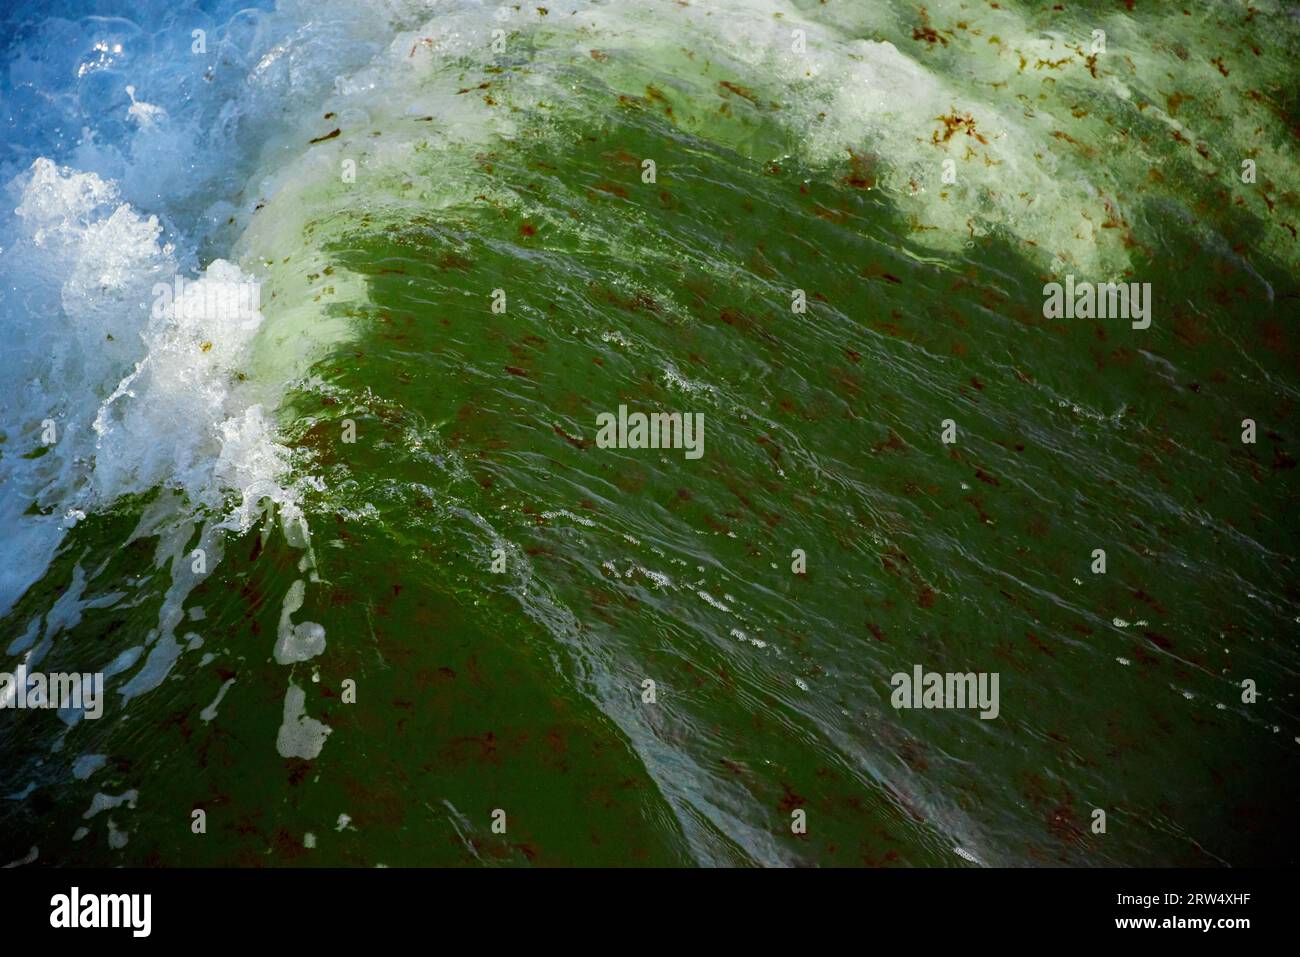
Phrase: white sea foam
(131, 400)
(300, 736)
(107, 802)
(297, 642)
(210, 712)
(88, 764)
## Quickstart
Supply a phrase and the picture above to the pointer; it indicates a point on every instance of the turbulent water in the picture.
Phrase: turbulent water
(365, 588)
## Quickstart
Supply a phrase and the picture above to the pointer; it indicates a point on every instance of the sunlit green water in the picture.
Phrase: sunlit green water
(521, 689)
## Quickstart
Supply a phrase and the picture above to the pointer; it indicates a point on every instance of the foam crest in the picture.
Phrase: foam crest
(116, 387)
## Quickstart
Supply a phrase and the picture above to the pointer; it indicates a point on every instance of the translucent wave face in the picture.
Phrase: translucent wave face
(219, 152)
(166, 238)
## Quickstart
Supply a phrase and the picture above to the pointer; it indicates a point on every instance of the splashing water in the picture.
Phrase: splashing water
(343, 545)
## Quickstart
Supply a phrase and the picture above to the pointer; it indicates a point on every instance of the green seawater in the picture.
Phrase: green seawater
(520, 687)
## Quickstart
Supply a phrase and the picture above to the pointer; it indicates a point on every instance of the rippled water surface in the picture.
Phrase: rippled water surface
(358, 574)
